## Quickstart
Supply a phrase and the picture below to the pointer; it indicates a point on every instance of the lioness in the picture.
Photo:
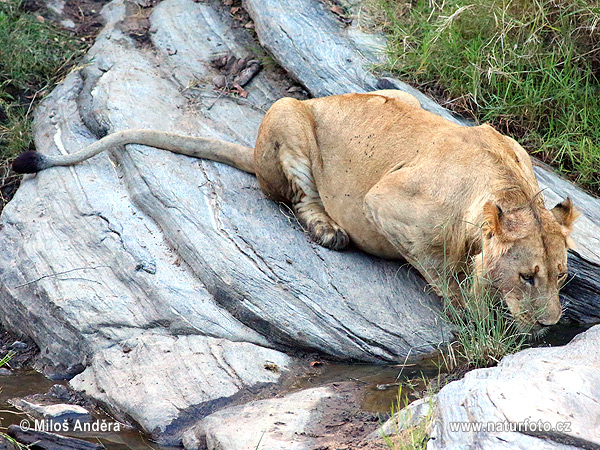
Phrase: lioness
(400, 182)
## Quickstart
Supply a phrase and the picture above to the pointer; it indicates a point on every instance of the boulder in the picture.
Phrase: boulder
(56, 413)
(274, 424)
(49, 441)
(542, 398)
(325, 417)
(167, 284)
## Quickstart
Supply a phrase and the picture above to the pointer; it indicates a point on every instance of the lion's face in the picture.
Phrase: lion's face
(525, 259)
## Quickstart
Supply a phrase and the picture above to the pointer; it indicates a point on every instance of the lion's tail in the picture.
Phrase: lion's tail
(234, 155)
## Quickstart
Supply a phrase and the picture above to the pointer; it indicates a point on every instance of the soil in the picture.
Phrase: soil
(342, 424)
(84, 14)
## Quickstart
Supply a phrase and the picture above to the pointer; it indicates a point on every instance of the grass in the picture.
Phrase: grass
(484, 331)
(34, 56)
(411, 432)
(529, 67)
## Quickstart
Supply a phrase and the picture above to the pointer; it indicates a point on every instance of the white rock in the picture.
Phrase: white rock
(274, 424)
(541, 389)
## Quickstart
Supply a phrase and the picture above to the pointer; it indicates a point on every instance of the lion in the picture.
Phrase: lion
(398, 182)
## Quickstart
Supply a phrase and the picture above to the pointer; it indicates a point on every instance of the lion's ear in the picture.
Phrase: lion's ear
(492, 217)
(566, 214)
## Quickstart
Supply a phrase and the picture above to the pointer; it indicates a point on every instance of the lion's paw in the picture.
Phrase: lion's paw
(328, 235)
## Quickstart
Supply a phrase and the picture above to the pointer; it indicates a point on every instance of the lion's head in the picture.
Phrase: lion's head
(525, 258)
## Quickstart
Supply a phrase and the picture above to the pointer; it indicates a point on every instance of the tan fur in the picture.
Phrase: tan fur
(401, 182)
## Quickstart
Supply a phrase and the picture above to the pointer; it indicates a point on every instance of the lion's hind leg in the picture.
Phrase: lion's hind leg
(308, 205)
(284, 145)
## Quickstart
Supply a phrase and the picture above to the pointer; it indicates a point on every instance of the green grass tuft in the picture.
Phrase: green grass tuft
(411, 432)
(484, 331)
(34, 56)
(530, 67)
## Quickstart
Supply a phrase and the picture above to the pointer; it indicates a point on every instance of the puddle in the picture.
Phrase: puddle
(561, 335)
(379, 383)
(21, 384)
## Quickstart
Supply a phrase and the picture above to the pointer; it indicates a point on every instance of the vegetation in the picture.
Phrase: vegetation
(412, 432)
(529, 67)
(484, 331)
(34, 55)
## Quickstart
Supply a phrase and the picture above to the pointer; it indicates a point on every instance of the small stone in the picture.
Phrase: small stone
(53, 412)
(220, 81)
(19, 345)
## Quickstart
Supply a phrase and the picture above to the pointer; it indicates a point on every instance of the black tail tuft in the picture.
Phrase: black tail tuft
(29, 162)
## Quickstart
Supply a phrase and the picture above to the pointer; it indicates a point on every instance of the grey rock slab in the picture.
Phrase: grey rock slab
(126, 240)
(57, 412)
(324, 55)
(166, 383)
(329, 57)
(410, 416)
(325, 417)
(542, 387)
(273, 424)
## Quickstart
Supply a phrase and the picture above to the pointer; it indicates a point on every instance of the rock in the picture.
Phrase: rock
(5, 372)
(274, 424)
(18, 345)
(541, 389)
(172, 256)
(57, 412)
(325, 417)
(410, 416)
(50, 441)
(177, 380)
(6, 444)
(324, 55)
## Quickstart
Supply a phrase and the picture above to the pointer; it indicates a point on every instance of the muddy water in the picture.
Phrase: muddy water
(381, 384)
(20, 384)
(378, 385)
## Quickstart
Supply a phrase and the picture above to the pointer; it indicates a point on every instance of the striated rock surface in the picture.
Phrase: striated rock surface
(542, 398)
(274, 424)
(171, 287)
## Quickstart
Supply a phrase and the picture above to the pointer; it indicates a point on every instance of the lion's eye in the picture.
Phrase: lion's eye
(528, 278)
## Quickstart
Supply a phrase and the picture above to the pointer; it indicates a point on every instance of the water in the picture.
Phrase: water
(561, 335)
(379, 384)
(21, 384)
